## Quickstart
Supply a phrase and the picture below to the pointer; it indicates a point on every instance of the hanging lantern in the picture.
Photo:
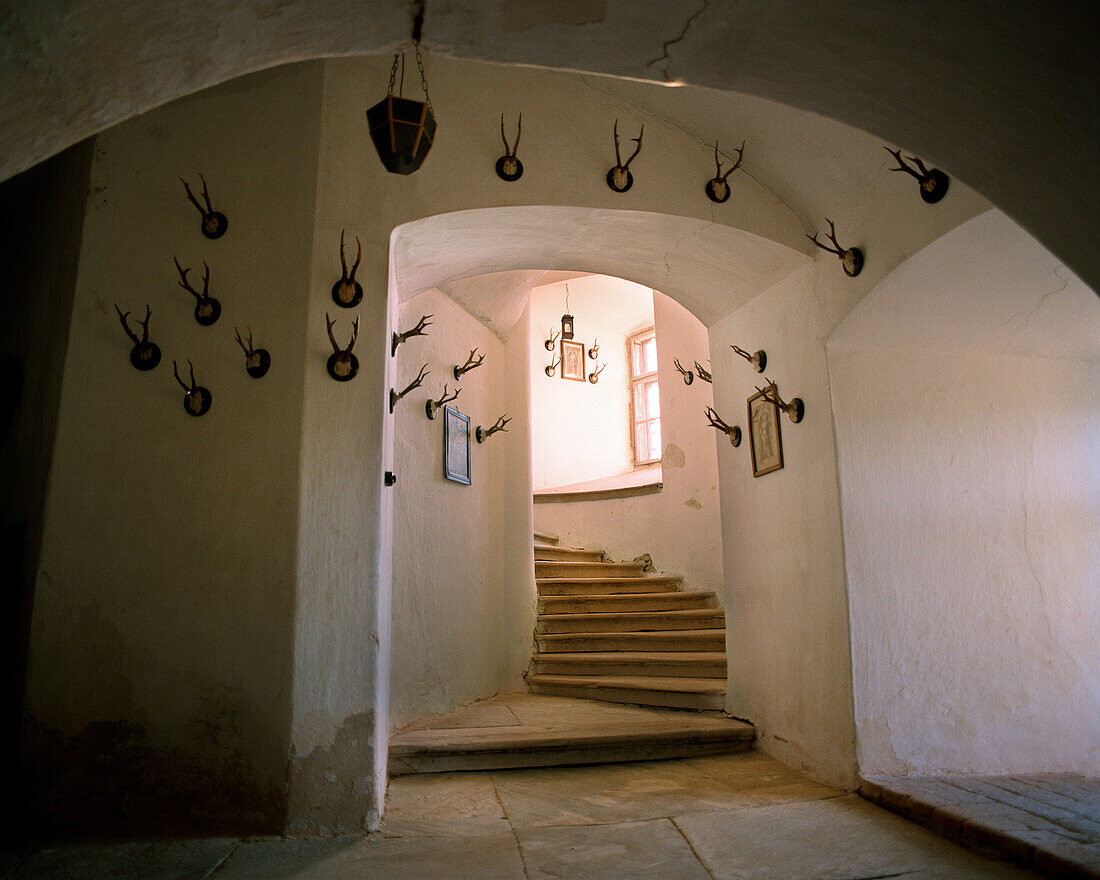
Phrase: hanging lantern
(402, 129)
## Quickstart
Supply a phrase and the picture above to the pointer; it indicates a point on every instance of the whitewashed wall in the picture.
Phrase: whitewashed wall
(165, 590)
(281, 603)
(967, 393)
(455, 634)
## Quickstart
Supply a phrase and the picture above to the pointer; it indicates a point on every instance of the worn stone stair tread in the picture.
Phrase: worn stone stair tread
(597, 603)
(603, 568)
(592, 742)
(477, 739)
(627, 621)
(654, 640)
(669, 684)
(545, 538)
(616, 656)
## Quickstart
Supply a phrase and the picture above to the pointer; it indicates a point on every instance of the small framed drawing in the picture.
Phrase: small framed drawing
(764, 438)
(456, 445)
(572, 361)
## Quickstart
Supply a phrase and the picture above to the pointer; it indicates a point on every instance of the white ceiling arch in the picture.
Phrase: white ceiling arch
(711, 269)
(1006, 97)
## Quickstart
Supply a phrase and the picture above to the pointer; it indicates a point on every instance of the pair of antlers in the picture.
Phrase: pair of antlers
(418, 330)
(716, 421)
(249, 349)
(123, 317)
(188, 388)
(335, 345)
(638, 140)
(345, 276)
(186, 285)
(209, 210)
(921, 173)
(510, 152)
(718, 175)
(794, 410)
(472, 363)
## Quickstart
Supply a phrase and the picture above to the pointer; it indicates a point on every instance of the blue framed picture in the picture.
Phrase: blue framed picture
(456, 445)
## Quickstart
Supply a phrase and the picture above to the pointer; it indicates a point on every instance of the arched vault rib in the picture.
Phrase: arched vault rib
(711, 269)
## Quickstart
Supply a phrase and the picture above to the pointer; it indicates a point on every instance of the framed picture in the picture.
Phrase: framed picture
(764, 438)
(572, 361)
(456, 445)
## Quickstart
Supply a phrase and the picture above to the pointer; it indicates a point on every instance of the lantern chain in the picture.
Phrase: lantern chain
(423, 79)
(393, 72)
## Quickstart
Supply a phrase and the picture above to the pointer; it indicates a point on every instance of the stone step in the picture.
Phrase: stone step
(660, 664)
(625, 602)
(600, 586)
(631, 621)
(669, 640)
(555, 569)
(649, 737)
(670, 692)
(549, 553)
(544, 538)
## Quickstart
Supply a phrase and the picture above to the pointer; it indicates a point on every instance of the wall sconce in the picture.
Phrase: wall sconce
(483, 434)
(731, 431)
(403, 129)
(795, 410)
(759, 360)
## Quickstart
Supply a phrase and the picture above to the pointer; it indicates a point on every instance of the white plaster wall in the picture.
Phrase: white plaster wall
(967, 393)
(581, 431)
(456, 637)
(165, 589)
(679, 527)
(785, 591)
(337, 446)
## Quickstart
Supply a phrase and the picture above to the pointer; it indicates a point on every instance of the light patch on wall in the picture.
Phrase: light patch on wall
(524, 15)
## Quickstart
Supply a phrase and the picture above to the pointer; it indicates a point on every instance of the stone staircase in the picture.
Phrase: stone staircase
(609, 631)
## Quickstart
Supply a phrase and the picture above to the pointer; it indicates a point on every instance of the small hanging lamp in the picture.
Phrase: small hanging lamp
(403, 129)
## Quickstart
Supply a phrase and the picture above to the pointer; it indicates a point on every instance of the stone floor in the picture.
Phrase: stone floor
(710, 818)
(1051, 821)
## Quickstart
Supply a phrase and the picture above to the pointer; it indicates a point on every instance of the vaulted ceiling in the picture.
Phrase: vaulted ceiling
(1003, 96)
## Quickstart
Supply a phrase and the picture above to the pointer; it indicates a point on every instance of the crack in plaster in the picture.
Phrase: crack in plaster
(665, 56)
(1028, 313)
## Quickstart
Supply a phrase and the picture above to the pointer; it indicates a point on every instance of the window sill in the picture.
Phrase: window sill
(644, 481)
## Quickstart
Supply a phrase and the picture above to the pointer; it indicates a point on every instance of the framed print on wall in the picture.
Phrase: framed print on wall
(764, 438)
(456, 445)
(572, 361)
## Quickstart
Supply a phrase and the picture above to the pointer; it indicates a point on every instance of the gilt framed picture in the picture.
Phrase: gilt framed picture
(765, 440)
(572, 361)
(456, 445)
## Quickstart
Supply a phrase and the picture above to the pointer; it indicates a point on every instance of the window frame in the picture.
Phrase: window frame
(633, 342)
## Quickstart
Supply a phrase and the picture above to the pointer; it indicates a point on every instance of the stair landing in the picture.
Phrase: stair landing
(533, 730)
